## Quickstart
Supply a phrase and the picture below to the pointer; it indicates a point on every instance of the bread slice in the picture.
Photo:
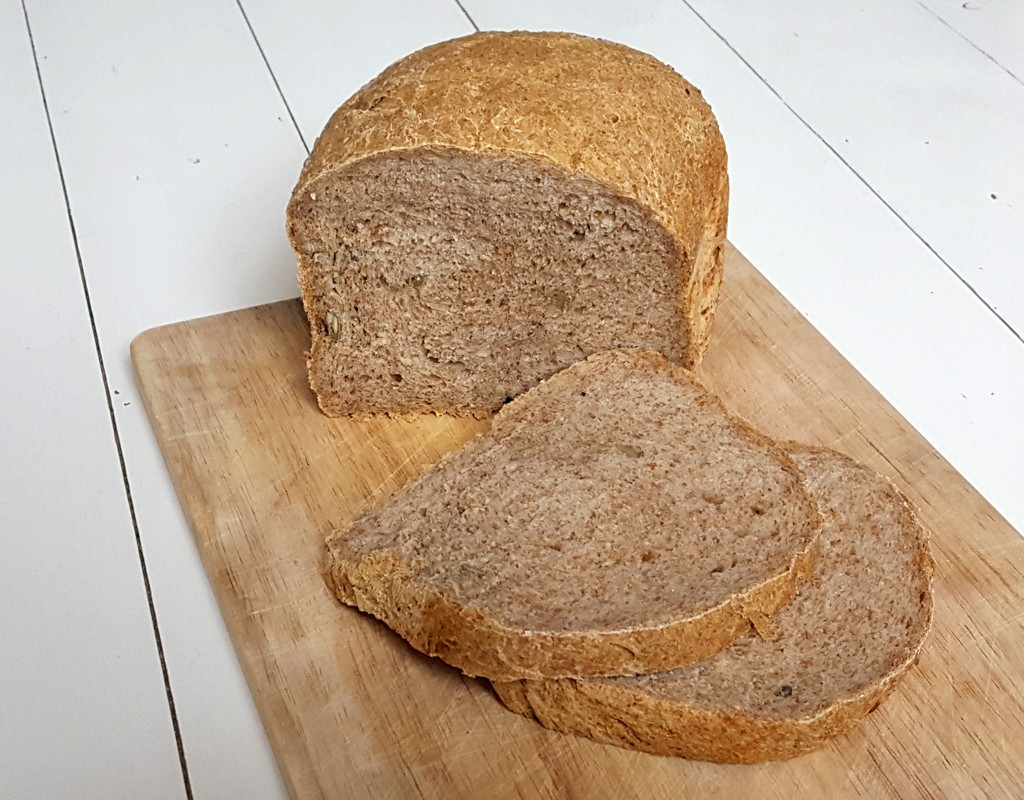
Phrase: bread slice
(841, 646)
(493, 208)
(615, 519)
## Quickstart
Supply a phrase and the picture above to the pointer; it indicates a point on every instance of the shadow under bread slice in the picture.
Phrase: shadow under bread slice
(615, 519)
(839, 648)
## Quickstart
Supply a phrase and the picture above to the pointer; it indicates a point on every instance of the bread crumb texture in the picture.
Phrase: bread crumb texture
(614, 520)
(493, 208)
(842, 644)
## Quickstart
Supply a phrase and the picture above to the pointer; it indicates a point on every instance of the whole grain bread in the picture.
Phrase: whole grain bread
(493, 208)
(613, 520)
(840, 646)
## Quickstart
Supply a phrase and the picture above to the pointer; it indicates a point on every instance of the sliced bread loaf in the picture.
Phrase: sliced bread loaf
(840, 646)
(493, 208)
(614, 520)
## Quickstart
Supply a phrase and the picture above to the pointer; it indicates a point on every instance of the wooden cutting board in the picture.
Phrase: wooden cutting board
(353, 712)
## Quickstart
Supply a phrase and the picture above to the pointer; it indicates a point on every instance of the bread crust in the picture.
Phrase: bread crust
(627, 716)
(480, 645)
(579, 105)
(612, 714)
(383, 585)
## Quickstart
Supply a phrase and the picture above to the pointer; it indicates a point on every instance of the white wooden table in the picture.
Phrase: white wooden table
(148, 149)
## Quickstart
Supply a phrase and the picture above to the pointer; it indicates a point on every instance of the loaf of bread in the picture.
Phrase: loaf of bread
(615, 519)
(837, 651)
(494, 208)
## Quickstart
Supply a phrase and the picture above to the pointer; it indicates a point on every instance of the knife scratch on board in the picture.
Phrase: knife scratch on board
(418, 451)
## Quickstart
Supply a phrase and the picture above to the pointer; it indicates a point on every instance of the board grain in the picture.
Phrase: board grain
(352, 712)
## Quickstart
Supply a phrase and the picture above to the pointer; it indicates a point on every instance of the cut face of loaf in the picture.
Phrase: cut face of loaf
(614, 520)
(492, 209)
(841, 645)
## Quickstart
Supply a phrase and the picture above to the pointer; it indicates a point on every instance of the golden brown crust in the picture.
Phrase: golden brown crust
(479, 645)
(613, 714)
(630, 716)
(579, 104)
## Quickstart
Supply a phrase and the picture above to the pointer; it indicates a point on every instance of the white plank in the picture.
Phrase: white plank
(995, 27)
(83, 710)
(179, 156)
(834, 250)
(322, 52)
(929, 122)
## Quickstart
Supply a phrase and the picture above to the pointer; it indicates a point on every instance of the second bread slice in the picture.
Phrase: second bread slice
(841, 646)
(614, 520)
